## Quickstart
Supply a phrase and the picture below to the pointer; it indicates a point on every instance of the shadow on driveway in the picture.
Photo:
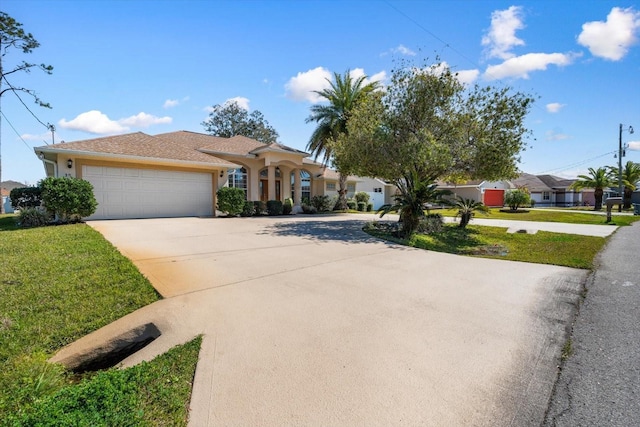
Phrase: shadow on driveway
(347, 231)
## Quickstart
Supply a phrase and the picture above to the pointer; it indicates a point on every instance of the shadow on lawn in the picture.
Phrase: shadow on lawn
(348, 231)
(8, 223)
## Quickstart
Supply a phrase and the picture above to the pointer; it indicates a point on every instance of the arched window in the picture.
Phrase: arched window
(305, 181)
(238, 179)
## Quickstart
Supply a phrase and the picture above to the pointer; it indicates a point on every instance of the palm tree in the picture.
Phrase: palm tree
(411, 204)
(597, 179)
(467, 209)
(343, 95)
(630, 179)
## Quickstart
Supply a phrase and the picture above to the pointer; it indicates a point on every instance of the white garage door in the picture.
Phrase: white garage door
(149, 193)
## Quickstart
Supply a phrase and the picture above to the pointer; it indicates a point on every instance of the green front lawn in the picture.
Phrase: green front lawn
(58, 284)
(569, 217)
(494, 242)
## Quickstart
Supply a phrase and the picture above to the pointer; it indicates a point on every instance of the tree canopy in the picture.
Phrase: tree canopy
(343, 94)
(598, 179)
(13, 36)
(427, 126)
(230, 119)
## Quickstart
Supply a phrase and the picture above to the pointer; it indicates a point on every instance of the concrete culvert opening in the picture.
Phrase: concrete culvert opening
(110, 352)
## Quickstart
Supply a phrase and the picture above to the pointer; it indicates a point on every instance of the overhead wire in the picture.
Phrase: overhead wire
(14, 129)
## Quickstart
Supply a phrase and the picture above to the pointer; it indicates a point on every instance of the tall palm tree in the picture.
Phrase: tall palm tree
(343, 94)
(630, 179)
(597, 179)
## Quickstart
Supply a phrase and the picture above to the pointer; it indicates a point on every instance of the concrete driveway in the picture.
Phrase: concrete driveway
(307, 321)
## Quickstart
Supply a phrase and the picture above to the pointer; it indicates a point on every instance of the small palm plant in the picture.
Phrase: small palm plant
(411, 204)
(467, 209)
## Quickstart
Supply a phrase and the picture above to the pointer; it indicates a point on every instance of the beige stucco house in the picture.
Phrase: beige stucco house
(178, 173)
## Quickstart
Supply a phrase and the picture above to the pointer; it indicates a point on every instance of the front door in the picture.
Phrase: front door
(264, 190)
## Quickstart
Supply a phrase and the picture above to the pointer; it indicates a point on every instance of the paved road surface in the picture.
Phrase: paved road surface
(600, 383)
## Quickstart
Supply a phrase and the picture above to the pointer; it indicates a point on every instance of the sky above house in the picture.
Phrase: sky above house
(158, 66)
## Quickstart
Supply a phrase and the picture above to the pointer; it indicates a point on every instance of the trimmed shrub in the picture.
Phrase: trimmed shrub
(274, 207)
(287, 208)
(362, 206)
(516, 198)
(361, 196)
(352, 204)
(260, 207)
(33, 217)
(68, 199)
(231, 200)
(322, 203)
(308, 209)
(248, 209)
(26, 197)
(369, 207)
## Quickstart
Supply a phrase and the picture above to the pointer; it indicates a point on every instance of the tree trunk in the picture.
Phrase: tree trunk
(342, 193)
(628, 192)
(598, 198)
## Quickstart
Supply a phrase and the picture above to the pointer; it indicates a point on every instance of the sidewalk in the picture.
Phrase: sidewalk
(599, 384)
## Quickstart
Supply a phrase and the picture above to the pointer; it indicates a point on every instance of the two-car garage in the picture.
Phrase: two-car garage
(123, 192)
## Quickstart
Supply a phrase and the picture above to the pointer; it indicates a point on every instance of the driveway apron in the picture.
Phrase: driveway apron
(308, 321)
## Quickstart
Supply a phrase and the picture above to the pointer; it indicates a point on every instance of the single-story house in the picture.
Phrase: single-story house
(5, 190)
(178, 173)
(550, 190)
(491, 193)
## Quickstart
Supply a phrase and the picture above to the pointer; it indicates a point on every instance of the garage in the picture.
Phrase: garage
(123, 192)
(494, 198)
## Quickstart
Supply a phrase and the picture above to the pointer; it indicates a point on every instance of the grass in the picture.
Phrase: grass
(569, 217)
(494, 242)
(58, 284)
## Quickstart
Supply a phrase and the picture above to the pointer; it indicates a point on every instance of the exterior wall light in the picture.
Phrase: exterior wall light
(69, 163)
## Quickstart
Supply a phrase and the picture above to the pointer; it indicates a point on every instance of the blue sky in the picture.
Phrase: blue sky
(156, 66)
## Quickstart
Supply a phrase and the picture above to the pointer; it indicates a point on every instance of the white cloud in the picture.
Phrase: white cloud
(46, 136)
(356, 73)
(302, 86)
(93, 121)
(611, 39)
(501, 36)
(403, 50)
(97, 122)
(241, 101)
(553, 135)
(521, 66)
(170, 103)
(144, 120)
(467, 76)
(554, 107)
(634, 145)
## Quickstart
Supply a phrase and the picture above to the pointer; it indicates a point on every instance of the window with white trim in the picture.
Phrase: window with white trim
(238, 179)
(331, 186)
(546, 195)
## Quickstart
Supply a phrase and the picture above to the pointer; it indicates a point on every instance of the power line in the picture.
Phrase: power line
(580, 163)
(15, 92)
(14, 129)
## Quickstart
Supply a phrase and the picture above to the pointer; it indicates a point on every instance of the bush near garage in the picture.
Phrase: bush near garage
(361, 196)
(68, 199)
(249, 209)
(322, 203)
(231, 200)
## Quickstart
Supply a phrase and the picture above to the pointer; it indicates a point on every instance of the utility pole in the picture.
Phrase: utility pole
(621, 154)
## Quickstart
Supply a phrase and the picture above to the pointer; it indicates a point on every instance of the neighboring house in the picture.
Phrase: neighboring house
(491, 193)
(552, 191)
(5, 189)
(178, 173)
(380, 192)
